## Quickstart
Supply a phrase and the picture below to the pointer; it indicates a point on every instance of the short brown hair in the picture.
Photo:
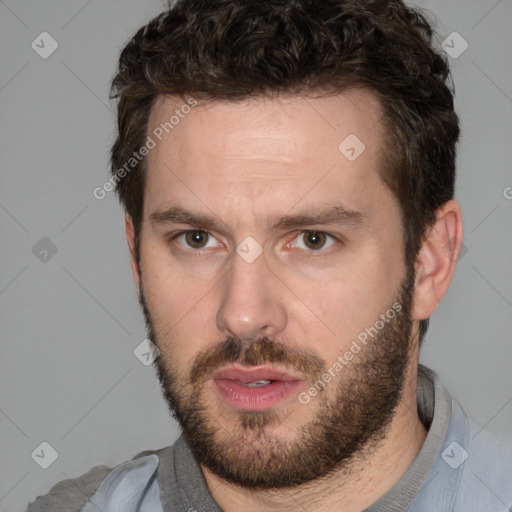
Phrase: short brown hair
(238, 49)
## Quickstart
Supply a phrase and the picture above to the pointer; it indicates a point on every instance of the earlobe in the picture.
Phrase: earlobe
(437, 259)
(130, 238)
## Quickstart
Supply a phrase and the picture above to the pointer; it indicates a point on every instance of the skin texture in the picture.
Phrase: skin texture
(245, 165)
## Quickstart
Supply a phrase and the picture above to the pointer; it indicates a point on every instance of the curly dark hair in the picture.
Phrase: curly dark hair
(238, 49)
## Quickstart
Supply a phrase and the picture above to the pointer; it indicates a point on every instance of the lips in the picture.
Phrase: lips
(252, 389)
(245, 376)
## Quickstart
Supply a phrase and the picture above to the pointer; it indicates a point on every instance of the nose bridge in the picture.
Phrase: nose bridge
(250, 306)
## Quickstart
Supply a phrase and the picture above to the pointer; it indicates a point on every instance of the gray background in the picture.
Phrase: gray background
(69, 325)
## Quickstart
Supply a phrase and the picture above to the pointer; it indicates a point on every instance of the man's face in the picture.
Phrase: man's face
(277, 252)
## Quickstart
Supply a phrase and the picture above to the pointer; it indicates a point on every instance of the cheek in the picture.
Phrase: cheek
(181, 312)
(340, 312)
(171, 288)
(339, 308)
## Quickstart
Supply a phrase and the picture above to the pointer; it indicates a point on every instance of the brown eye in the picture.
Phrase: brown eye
(196, 239)
(314, 239)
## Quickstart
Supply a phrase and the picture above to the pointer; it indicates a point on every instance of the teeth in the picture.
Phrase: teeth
(258, 383)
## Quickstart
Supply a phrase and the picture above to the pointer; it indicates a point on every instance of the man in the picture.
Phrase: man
(287, 169)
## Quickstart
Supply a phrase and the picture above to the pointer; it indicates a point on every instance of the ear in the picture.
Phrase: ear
(130, 238)
(436, 261)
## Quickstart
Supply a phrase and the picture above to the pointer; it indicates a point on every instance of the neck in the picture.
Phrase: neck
(371, 474)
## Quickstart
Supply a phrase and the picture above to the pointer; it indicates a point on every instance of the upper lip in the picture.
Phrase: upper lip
(245, 375)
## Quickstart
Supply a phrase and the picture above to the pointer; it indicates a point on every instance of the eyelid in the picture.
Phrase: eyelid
(175, 236)
(336, 239)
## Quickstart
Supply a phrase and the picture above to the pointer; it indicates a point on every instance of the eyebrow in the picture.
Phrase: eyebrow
(332, 215)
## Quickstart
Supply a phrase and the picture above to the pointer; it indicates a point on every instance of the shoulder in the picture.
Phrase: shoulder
(490, 455)
(487, 476)
(72, 495)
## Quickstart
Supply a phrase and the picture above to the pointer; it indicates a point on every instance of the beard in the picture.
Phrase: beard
(353, 412)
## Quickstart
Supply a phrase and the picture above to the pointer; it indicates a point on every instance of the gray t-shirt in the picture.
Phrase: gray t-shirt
(459, 468)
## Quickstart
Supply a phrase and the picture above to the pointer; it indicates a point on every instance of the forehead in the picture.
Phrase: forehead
(263, 151)
(272, 120)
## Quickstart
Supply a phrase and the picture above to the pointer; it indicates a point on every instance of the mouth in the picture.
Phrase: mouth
(255, 389)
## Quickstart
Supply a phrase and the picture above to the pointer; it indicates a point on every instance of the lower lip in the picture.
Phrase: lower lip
(245, 398)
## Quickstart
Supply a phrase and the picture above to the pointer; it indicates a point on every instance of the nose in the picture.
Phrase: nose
(251, 305)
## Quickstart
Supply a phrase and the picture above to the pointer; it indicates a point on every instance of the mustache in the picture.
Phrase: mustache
(255, 353)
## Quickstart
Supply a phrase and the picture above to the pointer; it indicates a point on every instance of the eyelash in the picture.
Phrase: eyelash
(333, 238)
